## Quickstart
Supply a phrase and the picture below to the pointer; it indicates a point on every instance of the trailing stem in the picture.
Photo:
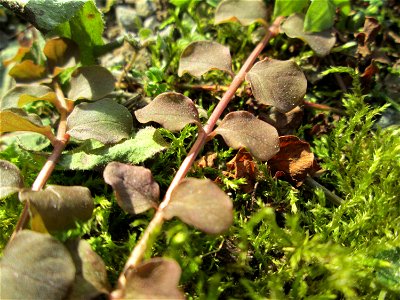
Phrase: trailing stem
(138, 252)
(44, 174)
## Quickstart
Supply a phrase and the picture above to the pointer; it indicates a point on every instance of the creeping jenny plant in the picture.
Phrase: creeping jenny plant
(314, 255)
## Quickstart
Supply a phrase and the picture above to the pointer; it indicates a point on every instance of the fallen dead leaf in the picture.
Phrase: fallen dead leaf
(243, 166)
(294, 161)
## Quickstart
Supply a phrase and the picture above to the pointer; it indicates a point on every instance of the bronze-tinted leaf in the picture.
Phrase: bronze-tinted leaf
(15, 119)
(172, 110)
(17, 96)
(135, 189)
(321, 42)
(18, 57)
(202, 56)
(35, 266)
(294, 160)
(91, 83)
(242, 129)
(157, 278)
(10, 179)
(91, 276)
(202, 204)
(27, 71)
(244, 11)
(280, 83)
(60, 206)
(61, 53)
(104, 120)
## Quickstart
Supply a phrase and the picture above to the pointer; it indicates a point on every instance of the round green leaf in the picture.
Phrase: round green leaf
(242, 129)
(60, 206)
(10, 179)
(245, 12)
(91, 83)
(103, 120)
(33, 92)
(320, 16)
(157, 278)
(202, 56)
(172, 110)
(320, 42)
(202, 204)
(135, 188)
(285, 93)
(91, 276)
(35, 266)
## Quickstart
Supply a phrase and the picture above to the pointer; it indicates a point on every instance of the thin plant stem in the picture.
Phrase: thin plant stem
(323, 107)
(44, 174)
(329, 195)
(138, 252)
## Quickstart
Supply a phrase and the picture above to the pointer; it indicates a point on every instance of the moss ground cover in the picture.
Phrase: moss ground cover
(287, 241)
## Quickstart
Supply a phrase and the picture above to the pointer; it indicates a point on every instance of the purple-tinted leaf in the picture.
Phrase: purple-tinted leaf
(59, 207)
(278, 83)
(172, 110)
(135, 189)
(91, 276)
(157, 278)
(242, 129)
(35, 266)
(321, 42)
(202, 56)
(202, 204)
(91, 83)
(22, 94)
(104, 120)
(245, 12)
(10, 179)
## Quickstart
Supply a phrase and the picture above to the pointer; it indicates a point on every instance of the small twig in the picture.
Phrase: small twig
(323, 107)
(47, 169)
(138, 252)
(126, 68)
(338, 77)
(329, 195)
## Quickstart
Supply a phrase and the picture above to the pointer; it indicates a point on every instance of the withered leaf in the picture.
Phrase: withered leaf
(91, 276)
(321, 42)
(16, 119)
(27, 71)
(157, 278)
(245, 12)
(367, 36)
(59, 206)
(172, 110)
(281, 84)
(10, 180)
(295, 160)
(243, 166)
(35, 266)
(242, 129)
(91, 83)
(135, 189)
(202, 56)
(104, 120)
(202, 204)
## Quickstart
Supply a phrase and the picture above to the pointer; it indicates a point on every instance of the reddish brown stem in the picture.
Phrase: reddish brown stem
(138, 252)
(323, 107)
(47, 169)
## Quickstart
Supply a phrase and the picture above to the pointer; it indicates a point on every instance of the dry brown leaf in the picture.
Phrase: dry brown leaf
(243, 166)
(294, 161)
